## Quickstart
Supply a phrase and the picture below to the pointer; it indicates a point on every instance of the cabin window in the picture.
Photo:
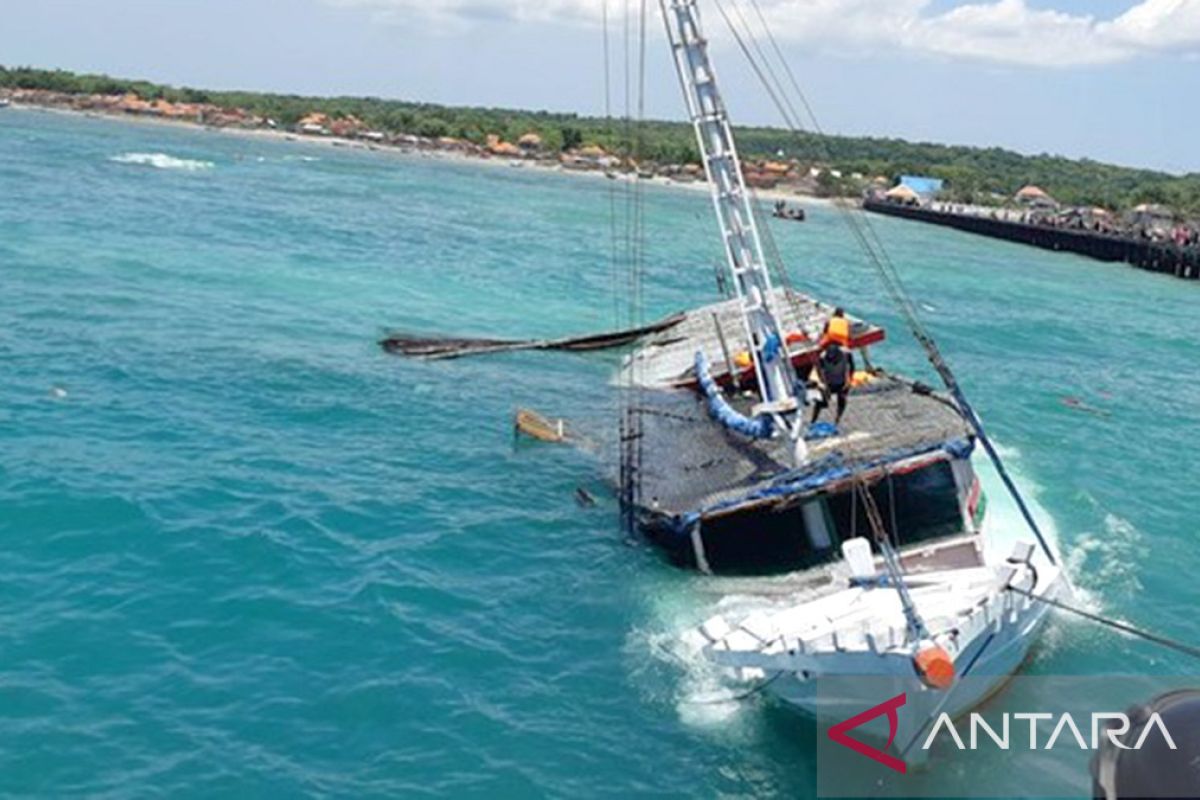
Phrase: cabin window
(915, 507)
(919, 505)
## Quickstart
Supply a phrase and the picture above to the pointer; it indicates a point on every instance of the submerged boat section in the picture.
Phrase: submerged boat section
(722, 503)
(718, 500)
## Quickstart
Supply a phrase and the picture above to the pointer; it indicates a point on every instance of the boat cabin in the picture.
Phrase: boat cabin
(724, 503)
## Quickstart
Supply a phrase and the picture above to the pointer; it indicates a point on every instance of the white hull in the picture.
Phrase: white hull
(849, 648)
(993, 656)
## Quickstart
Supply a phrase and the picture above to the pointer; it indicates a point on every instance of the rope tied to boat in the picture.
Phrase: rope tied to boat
(1123, 627)
(738, 698)
(1163, 641)
(912, 618)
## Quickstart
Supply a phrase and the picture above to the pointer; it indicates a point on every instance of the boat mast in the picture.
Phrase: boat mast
(731, 202)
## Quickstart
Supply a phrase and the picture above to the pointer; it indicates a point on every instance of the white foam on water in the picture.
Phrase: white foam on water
(1113, 551)
(1007, 453)
(706, 697)
(1005, 525)
(163, 161)
(1109, 559)
(703, 697)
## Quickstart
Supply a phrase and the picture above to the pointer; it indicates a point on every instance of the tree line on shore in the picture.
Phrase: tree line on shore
(972, 174)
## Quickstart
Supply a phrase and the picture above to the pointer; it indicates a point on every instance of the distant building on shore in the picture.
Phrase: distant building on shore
(924, 187)
(346, 127)
(1035, 197)
(530, 143)
(498, 147)
(903, 194)
(314, 124)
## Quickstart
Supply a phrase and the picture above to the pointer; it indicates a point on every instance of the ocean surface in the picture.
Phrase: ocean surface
(246, 553)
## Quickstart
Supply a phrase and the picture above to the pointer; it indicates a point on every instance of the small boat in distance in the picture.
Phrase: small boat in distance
(782, 210)
(5, 102)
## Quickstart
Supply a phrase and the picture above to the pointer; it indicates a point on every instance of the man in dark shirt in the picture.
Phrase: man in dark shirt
(834, 371)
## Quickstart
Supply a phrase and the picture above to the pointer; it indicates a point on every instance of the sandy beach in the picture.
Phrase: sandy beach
(540, 165)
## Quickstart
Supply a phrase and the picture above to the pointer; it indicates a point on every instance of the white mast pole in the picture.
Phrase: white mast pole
(731, 202)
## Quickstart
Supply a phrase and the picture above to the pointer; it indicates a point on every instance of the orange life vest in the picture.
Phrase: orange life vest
(838, 330)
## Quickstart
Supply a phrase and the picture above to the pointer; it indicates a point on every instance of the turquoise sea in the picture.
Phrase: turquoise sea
(246, 554)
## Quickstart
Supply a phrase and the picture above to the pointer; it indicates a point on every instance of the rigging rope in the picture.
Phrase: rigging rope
(612, 196)
(916, 625)
(628, 152)
(737, 698)
(872, 247)
(639, 147)
(1173, 644)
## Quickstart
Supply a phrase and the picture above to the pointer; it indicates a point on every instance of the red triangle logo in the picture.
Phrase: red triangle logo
(838, 733)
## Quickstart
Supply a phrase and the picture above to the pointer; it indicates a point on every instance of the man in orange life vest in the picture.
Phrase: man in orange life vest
(837, 329)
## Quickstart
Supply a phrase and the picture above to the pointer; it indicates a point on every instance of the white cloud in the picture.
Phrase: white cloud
(1157, 25)
(1002, 31)
(455, 12)
(1009, 31)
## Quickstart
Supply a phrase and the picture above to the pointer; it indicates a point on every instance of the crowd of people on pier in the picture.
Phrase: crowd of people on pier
(1141, 226)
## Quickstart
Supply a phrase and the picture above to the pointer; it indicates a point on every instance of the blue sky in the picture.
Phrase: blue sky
(1114, 80)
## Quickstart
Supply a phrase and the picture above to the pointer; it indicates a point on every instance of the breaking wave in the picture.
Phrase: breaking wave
(677, 673)
(705, 696)
(163, 161)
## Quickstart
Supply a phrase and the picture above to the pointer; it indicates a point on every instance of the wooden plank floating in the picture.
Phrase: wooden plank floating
(536, 426)
(1161, 257)
(667, 347)
(433, 348)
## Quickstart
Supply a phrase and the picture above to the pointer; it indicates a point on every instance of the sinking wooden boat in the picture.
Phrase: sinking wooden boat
(878, 524)
(720, 501)
(900, 586)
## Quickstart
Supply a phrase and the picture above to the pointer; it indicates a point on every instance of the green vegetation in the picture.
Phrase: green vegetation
(980, 175)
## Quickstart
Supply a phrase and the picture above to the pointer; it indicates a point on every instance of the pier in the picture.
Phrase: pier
(1153, 256)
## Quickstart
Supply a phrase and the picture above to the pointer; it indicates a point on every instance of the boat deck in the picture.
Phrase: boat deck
(666, 358)
(691, 464)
